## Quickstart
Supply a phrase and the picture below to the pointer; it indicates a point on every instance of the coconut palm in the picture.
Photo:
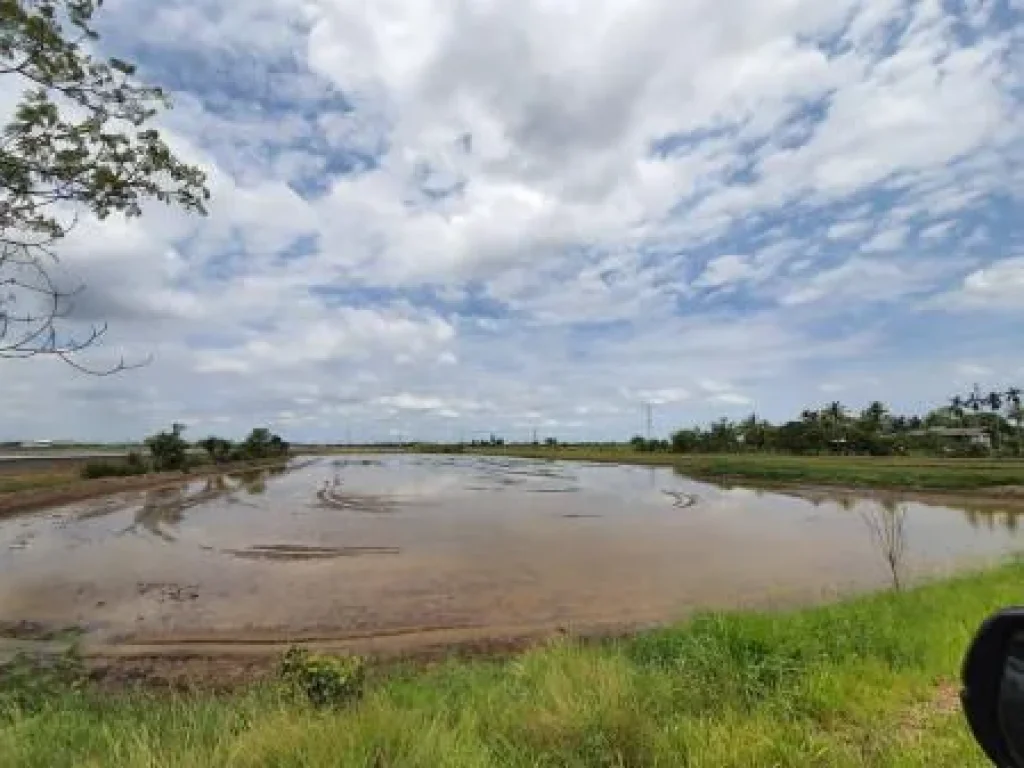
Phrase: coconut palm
(835, 413)
(1015, 412)
(809, 416)
(874, 414)
(956, 406)
(975, 400)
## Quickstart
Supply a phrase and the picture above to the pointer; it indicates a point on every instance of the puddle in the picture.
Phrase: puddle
(405, 546)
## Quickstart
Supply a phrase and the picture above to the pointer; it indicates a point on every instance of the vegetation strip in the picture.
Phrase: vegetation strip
(1005, 477)
(871, 681)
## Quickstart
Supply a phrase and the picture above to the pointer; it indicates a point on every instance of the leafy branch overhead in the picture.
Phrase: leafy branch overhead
(77, 142)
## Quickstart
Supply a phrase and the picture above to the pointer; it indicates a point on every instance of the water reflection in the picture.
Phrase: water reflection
(266, 549)
(981, 513)
(164, 509)
(254, 481)
(1007, 519)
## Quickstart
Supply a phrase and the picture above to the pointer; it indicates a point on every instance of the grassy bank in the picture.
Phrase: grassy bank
(867, 682)
(904, 473)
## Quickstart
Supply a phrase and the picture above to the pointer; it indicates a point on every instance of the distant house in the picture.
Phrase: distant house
(957, 435)
(37, 444)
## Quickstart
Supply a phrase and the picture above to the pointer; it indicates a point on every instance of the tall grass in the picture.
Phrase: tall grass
(867, 682)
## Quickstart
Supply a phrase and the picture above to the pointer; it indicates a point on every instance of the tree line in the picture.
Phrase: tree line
(169, 451)
(875, 430)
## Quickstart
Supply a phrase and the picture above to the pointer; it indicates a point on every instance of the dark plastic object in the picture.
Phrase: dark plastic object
(993, 687)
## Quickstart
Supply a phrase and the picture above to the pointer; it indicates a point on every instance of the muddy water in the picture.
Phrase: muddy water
(424, 549)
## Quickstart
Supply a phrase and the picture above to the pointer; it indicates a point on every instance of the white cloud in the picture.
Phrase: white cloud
(844, 230)
(973, 370)
(886, 240)
(731, 398)
(662, 396)
(860, 279)
(996, 287)
(553, 209)
(722, 270)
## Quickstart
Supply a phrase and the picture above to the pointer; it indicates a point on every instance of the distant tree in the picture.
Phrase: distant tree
(76, 142)
(975, 400)
(755, 432)
(722, 436)
(956, 406)
(810, 416)
(262, 444)
(800, 437)
(1015, 412)
(835, 411)
(168, 449)
(873, 416)
(684, 440)
(218, 448)
(994, 401)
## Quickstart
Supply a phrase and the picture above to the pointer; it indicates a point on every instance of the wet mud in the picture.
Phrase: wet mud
(413, 554)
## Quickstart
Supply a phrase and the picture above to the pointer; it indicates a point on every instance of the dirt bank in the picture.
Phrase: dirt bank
(73, 490)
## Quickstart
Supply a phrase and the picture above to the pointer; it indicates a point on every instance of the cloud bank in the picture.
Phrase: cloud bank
(446, 218)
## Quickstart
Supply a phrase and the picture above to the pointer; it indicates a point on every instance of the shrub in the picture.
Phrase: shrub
(324, 680)
(169, 449)
(133, 465)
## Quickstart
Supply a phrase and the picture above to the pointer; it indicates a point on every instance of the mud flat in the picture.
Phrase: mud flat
(402, 554)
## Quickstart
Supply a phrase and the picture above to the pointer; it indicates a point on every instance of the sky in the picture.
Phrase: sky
(447, 218)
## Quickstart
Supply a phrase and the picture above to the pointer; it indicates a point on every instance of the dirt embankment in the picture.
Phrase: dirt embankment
(75, 490)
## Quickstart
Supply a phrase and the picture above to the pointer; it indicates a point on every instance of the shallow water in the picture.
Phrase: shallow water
(407, 546)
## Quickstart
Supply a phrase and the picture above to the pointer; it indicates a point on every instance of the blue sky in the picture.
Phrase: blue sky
(445, 218)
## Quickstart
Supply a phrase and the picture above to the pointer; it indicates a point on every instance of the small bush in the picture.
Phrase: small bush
(324, 680)
(133, 465)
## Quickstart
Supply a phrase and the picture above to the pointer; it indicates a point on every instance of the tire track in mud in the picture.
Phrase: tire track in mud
(682, 500)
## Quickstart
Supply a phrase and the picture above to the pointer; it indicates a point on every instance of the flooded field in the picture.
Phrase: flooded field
(398, 552)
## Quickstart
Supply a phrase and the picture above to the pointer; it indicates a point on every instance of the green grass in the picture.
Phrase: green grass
(34, 480)
(868, 682)
(908, 473)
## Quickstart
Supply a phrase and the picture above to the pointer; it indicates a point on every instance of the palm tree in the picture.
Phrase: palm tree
(994, 402)
(753, 431)
(874, 414)
(956, 407)
(975, 399)
(1016, 413)
(835, 413)
(1013, 394)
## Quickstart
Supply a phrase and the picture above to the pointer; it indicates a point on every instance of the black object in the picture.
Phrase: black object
(993, 687)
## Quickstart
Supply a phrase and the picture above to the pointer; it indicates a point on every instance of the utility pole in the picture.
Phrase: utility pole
(649, 412)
